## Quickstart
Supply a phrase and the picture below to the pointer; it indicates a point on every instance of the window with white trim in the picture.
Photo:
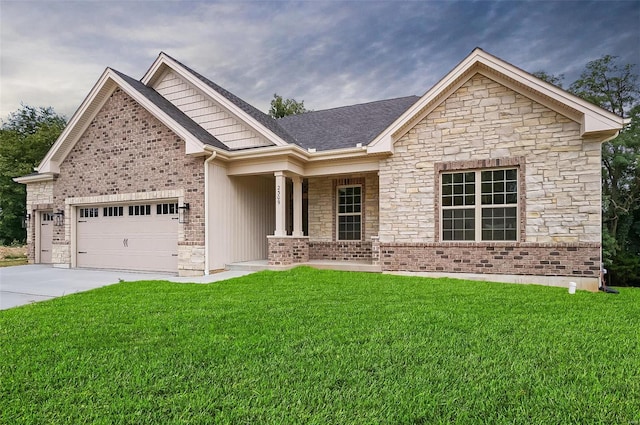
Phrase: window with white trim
(479, 205)
(349, 213)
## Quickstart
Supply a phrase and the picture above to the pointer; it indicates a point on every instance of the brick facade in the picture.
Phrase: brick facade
(582, 260)
(288, 250)
(126, 150)
(340, 251)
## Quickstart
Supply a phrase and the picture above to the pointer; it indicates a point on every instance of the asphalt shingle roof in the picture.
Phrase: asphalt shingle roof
(176, 114)
(346, 126)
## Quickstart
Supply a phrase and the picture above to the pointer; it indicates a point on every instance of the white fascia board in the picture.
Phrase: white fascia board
(384, 141)
(77, 124)
(35, 178)
(163, 59)
(595, 117)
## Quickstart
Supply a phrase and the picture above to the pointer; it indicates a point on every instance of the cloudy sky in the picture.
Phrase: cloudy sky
(327, 53)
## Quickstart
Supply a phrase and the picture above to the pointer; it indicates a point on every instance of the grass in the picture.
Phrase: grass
(14, 255)
(19, 261)
(308, 346)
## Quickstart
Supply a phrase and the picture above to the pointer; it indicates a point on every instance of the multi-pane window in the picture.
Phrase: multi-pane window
(139, 209)
(47, 216)
(167, 209)
(349, 208)
(112, 211)
(88, 212)
(493, 218)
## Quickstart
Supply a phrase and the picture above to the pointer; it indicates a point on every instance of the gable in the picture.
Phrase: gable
(595, 123)
(193, 136)
(126, 149)
(210, 115)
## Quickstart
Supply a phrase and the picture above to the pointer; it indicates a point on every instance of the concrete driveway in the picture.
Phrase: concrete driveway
(22, 285)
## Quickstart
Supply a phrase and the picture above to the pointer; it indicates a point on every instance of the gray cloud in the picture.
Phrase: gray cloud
(325, 53)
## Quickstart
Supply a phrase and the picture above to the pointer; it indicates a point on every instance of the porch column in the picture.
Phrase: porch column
(297, 206)
(281, 204)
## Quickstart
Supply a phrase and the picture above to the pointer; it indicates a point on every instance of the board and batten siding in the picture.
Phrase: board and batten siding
(241, 215)
(208, 114)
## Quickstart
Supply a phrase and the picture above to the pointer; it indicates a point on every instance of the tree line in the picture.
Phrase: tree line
(27, 134)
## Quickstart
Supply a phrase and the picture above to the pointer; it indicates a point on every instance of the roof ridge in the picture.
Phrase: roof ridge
(354, 105)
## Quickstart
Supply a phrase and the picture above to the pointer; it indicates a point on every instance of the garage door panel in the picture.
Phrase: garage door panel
(131, 242)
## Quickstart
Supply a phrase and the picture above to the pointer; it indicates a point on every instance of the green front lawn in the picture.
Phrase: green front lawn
(309, 346)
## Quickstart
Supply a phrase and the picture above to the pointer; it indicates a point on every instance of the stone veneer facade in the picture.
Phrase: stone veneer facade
(127, 154)
(323, 243)
(485, 124)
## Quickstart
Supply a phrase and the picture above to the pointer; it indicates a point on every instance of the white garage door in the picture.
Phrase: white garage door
(128, 237)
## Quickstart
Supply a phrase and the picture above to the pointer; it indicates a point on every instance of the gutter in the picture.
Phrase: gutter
(206, 211)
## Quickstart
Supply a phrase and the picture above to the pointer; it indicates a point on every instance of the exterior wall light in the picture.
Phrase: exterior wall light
(58, 218)
(26, 220)
(182, 213)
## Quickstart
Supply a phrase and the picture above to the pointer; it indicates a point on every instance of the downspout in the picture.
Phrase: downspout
(206, 212)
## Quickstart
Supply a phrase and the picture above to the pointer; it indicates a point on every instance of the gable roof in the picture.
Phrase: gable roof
(346, 126)
(257, 120)
(255, 113)
(595, 121)
(172, 111)
(194, 136)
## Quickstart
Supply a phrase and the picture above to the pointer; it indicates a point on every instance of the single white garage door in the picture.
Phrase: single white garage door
(128, 237)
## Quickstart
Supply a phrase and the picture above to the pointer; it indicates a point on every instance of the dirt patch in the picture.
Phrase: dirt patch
(8, 252)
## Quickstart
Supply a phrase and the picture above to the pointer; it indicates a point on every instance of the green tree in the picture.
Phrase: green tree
(615, 87)
(283, 107)
(25, 138)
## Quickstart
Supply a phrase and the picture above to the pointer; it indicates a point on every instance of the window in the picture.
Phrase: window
(493, 218)
(349, 210)
(47, 216)
(112, 211)
(167, 209)
(139, 209)
(88, 212)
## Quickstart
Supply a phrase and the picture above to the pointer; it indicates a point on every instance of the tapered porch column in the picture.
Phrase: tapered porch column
(297, 206)
(281, 204)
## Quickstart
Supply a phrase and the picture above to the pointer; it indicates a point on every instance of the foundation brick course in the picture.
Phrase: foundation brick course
(340, 251)
(578, 260)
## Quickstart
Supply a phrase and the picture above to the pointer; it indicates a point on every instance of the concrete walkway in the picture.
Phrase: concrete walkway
(22, 285)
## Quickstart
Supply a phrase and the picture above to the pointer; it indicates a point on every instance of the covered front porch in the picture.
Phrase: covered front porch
(325, 222)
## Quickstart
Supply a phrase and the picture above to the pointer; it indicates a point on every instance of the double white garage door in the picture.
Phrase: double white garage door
(128, 237)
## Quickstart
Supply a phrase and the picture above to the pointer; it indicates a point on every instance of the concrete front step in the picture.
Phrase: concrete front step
(353, 266)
